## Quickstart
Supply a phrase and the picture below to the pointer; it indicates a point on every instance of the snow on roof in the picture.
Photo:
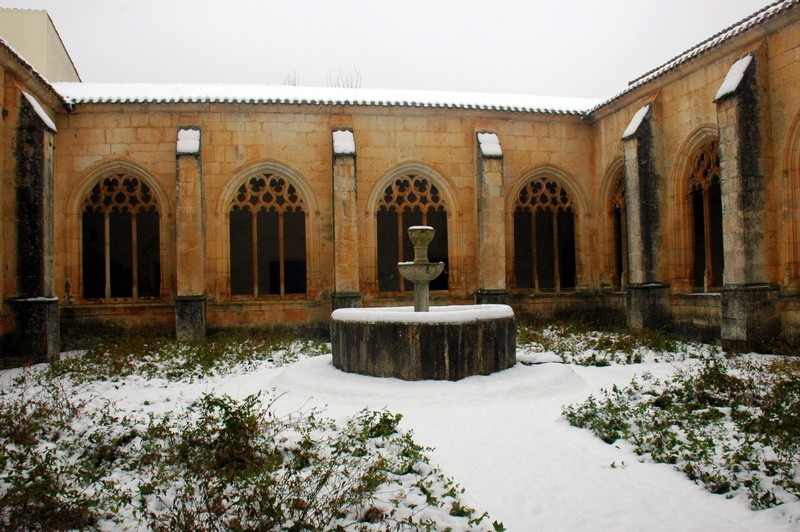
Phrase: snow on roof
(88, 93)
(734, 77)
(715, 40)
(39, 110)
(343, 142)
(489, 145)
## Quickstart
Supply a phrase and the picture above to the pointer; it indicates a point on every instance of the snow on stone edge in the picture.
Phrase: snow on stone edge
(441, 314)
(188, 141)
(39, 110)
(734, 77)
(344, 143)
(636, 121)
(490, 145)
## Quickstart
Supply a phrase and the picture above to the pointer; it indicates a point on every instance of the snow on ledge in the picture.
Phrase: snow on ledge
(188, 141)
(734, 77)
(636, 121)
(39, 110)
(490, 145)
(444, 314)
(344, 143)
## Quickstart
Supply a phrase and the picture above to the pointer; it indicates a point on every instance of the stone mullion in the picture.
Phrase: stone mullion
(556, 262)
(254, 247)
(281, 253)
(534, 251)
(107, 251)
(623, 237)
(134, 258)
(707, 281)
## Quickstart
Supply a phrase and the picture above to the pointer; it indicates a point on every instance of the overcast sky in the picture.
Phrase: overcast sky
(588, 48)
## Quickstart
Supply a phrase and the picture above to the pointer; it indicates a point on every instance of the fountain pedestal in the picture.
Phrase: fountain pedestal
(439, 343)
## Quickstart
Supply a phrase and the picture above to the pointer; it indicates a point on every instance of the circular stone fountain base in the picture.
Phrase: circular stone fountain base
(447, 343)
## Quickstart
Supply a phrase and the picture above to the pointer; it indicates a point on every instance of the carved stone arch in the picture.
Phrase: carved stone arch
(790, 236)
(74, 208)
(452, 206)
(578, 205)
(682, 250)
(612, 213)
(310, 207)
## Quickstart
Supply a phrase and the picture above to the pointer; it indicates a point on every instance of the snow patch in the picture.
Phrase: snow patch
(489, 145)
(344, 143)
(734, 77)
(188, 141)
(443, 314)
(636, 121)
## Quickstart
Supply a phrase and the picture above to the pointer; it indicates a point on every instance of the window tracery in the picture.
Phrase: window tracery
(407, 201)
(706, 203)
(267, 238)
(544, 236)
(121, 239)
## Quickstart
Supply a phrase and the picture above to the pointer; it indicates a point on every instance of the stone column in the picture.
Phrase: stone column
(190, 302)
(749, 320)
(345, 221)
(647, 294)
(491, 221)
(36, 324)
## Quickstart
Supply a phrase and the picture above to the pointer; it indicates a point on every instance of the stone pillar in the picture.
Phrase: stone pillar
(190, 302)
(36, 325)
(749, 320)
(647, 295)
(491, 222)
(345, 222)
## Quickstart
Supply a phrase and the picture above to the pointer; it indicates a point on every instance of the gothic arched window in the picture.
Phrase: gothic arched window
(409, 200)
(121, 239)
(705, 199)
(544, 236)
(619, 219)
(267, 238)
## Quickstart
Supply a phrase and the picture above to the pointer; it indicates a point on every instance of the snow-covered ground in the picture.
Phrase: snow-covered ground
(502, 437)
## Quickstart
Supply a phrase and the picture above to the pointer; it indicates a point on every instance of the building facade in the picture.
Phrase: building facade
(673, 204)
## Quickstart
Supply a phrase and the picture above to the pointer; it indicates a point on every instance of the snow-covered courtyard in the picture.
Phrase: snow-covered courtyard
(501, 437)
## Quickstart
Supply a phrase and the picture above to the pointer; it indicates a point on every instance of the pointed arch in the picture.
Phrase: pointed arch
(697, 220)
(118, 234)
(267, 233)
(542, 235)
(614, 226)
(411, 193)
(791, 207)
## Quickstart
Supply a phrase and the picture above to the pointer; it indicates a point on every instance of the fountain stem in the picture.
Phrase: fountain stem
(421, 272)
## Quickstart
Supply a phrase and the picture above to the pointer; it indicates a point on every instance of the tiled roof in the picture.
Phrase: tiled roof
(769, 12)
(92, 93)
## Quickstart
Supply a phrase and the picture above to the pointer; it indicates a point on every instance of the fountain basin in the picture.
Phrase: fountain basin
(447, 343)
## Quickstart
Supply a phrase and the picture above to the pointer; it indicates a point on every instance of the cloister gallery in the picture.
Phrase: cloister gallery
(673, 204)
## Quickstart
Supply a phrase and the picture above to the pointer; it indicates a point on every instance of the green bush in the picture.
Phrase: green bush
(730, 424)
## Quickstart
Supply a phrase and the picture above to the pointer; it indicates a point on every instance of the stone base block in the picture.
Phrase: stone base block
(749, 320)
(491, 297)
(37, 335)
(190, 317)
(648, 306)
(346, 300)
(448, 343)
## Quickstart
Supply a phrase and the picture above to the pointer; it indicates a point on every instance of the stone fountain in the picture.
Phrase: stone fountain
(439, 343)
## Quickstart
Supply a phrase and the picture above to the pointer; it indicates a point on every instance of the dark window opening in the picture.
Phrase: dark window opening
(268, 238)
(121, 240)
